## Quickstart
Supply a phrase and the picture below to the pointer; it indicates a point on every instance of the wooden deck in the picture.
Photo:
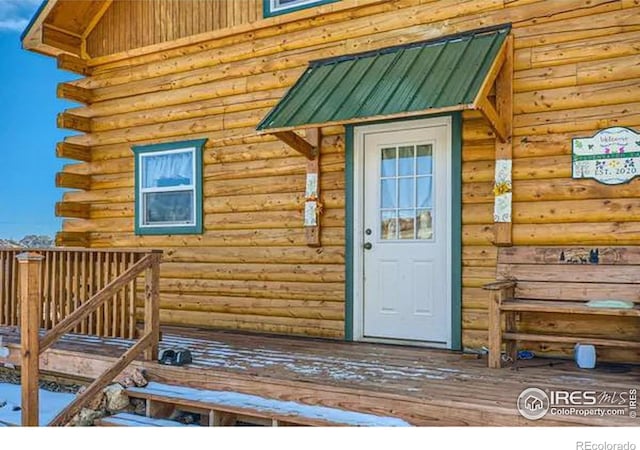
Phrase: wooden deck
(423, 387)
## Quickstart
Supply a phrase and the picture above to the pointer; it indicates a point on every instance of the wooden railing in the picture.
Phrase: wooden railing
(30, 273)
(68, 277)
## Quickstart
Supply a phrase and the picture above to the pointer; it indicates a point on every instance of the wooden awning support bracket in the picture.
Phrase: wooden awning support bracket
(312, 205)
(306, 146)
(309, 146)
(497, 123)
(500, 75)
(503, 117)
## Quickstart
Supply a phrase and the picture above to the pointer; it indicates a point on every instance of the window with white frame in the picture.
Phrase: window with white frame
(275, 7)
(169, 188)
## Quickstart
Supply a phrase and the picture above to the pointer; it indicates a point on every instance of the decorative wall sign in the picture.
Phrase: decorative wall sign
(310, 214)
(312, 185)
(311, 202)
(502, 191)
(611, 156)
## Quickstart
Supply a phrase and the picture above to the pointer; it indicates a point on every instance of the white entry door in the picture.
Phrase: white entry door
(404, 235)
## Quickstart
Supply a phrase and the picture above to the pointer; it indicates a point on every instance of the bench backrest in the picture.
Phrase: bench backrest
(572, 273)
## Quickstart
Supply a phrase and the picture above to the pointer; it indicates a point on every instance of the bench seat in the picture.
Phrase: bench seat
(570, 339)
(560, 280)
(565, 307)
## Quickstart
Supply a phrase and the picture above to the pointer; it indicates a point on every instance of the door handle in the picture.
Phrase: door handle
(368, 246)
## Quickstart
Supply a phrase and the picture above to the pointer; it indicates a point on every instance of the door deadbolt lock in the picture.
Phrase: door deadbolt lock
(368, 246)
(368, 231)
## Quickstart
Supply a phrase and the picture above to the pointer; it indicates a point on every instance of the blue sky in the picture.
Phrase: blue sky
(28, 130)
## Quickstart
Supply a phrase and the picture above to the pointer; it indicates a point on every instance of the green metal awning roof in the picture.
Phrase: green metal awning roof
(443, 74)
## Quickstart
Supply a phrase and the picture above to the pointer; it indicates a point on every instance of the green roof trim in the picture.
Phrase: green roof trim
(412, 78)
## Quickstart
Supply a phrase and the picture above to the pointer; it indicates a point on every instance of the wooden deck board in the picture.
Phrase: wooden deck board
(423, 386)
(361, 363)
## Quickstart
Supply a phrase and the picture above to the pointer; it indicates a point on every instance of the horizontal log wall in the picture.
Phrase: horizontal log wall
(129, 24)
(250, 269)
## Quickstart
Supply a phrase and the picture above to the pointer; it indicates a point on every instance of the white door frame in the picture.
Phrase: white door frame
(359, 133)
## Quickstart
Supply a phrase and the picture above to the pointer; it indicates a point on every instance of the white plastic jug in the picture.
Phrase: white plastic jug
(585, 356)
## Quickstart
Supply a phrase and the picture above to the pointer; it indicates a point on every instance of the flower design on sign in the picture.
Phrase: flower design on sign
(610, 156)
(501, 188)
(502, 191)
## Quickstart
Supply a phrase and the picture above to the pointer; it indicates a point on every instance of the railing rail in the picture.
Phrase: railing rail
(68, 277)
(31, 277)
(101, 382)
(95, 302)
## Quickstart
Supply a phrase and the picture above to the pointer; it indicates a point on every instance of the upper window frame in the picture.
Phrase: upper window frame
(270, 8)
(140, 151)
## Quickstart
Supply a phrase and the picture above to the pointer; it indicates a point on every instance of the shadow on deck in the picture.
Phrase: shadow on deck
(422, 386)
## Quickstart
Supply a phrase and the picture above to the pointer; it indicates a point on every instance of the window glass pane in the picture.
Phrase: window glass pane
(405, 161)
(168, 208)
(388, 163)
(406, 188)
(172, 169)
(425, 199)
(424, 224)
(388, 193)
(425, 159)
(388, 225)
(406, 223)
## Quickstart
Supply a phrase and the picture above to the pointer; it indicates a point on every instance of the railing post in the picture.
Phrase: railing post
(152, 306)
(30, 297)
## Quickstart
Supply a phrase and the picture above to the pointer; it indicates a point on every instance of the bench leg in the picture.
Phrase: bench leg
(495, 332)
(511, 327)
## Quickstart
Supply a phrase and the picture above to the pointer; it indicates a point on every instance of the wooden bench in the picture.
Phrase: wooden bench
(559, 280)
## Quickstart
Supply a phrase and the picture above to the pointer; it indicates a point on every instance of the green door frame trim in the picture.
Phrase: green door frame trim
(197, 227)
(456, 225)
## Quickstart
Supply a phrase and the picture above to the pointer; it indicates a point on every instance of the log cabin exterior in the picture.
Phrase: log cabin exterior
(166, 74)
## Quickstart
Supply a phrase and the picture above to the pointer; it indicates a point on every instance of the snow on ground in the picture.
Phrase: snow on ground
(238, 399)
(134, 420)
(51, 403)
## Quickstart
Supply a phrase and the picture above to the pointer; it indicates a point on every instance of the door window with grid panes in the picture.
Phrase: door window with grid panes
(406, 188)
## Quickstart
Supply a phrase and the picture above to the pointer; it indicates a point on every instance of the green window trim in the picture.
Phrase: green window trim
(197, 145)
(270, 8)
